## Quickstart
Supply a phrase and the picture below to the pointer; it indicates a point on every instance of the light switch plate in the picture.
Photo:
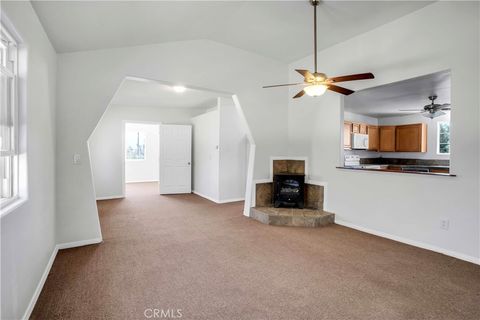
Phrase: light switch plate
(444, 224)
(77, 159)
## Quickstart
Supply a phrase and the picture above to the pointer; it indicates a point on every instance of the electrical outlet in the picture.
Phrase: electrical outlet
(444, 224)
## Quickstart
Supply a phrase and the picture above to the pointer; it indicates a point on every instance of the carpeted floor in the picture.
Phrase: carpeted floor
(185, 252)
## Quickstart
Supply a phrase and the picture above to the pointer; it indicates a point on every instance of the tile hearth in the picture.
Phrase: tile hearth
(294, 217)
(311, 216)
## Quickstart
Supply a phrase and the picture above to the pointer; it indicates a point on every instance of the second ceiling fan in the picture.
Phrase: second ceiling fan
(316, 83)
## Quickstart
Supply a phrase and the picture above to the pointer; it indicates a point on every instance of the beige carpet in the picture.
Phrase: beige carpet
(185, 252)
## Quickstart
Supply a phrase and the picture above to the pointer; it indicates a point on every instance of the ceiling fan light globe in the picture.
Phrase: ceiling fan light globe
(315, 90)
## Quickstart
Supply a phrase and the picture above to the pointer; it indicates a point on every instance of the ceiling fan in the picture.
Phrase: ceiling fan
(433, 109)
(317, 83)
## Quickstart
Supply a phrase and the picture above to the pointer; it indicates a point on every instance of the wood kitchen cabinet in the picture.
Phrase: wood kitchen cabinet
(386, 138)
(363, 128)
(355, 127)
(373, 138)
(411, 138)
(347, 135)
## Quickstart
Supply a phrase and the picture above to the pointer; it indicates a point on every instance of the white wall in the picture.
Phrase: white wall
(107, 149)
(146, 170)
(220, 153)
(432, 139)
(206, 157)
(28, 233)
(233, 153)
(360, 118)
(391, 203)
(87, 81)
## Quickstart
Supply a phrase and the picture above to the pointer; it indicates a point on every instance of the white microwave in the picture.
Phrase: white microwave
(359, 141)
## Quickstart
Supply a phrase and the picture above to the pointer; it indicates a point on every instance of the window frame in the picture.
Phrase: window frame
(439, 124)
(6, 204)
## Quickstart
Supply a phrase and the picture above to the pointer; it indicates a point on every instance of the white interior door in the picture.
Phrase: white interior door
(175, 159)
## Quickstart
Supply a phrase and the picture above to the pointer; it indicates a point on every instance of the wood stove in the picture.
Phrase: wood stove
(288, 190)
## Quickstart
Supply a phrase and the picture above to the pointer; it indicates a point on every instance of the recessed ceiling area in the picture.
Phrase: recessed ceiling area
(387, 100)
(281, 30)
(146, 93)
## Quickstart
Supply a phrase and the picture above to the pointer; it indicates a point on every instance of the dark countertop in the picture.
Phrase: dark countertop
(406, 161)
(390, 168)
(415, 166)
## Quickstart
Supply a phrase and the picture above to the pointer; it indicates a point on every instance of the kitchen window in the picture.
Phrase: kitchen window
(443, 138)
(9, 156)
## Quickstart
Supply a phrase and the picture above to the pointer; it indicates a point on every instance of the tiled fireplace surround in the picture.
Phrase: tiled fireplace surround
(313, 214)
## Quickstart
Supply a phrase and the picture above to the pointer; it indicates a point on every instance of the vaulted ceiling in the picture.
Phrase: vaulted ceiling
(281, 30)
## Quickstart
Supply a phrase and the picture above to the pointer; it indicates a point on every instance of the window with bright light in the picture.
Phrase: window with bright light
(134, 145)
(8, 119)
(443, 138)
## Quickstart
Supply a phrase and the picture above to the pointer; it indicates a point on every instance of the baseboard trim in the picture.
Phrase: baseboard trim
(218, 201)
(48, 267)
(142, 181)
(39, 288)
(231, 200)
(205, 196)
(414, 243)
(68, 245)
(110, 197)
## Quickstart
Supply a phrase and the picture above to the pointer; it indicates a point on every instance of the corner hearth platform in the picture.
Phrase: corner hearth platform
(289, 200)
(311, 218)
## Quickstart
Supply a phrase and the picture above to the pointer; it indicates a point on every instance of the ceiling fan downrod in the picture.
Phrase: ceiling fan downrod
(316, 83)
(315, 3)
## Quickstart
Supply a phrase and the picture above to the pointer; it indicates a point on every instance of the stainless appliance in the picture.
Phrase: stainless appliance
(352, 160)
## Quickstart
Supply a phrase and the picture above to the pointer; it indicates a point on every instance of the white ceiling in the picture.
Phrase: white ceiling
(145, 93)
(385, 101)
(278, 29)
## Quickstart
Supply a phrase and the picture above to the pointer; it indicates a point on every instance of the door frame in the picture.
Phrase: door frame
(124, 122)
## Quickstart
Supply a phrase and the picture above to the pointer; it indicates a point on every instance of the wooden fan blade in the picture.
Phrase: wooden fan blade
(352, 77)
(340, 89)
(446, 106)
(305, 73)
(298, 95)
(283, 85)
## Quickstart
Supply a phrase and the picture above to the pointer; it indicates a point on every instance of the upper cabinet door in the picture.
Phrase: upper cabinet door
(411, 138)
(373, 138)
(347, 135)
(355, 128)
(363, 128)
(387, 138)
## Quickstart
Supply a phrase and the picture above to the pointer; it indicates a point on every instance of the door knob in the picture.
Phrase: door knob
(189, 163)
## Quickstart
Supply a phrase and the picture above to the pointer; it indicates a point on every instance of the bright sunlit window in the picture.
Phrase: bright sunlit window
(134, 145)
(443, 138)
(8, 119)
